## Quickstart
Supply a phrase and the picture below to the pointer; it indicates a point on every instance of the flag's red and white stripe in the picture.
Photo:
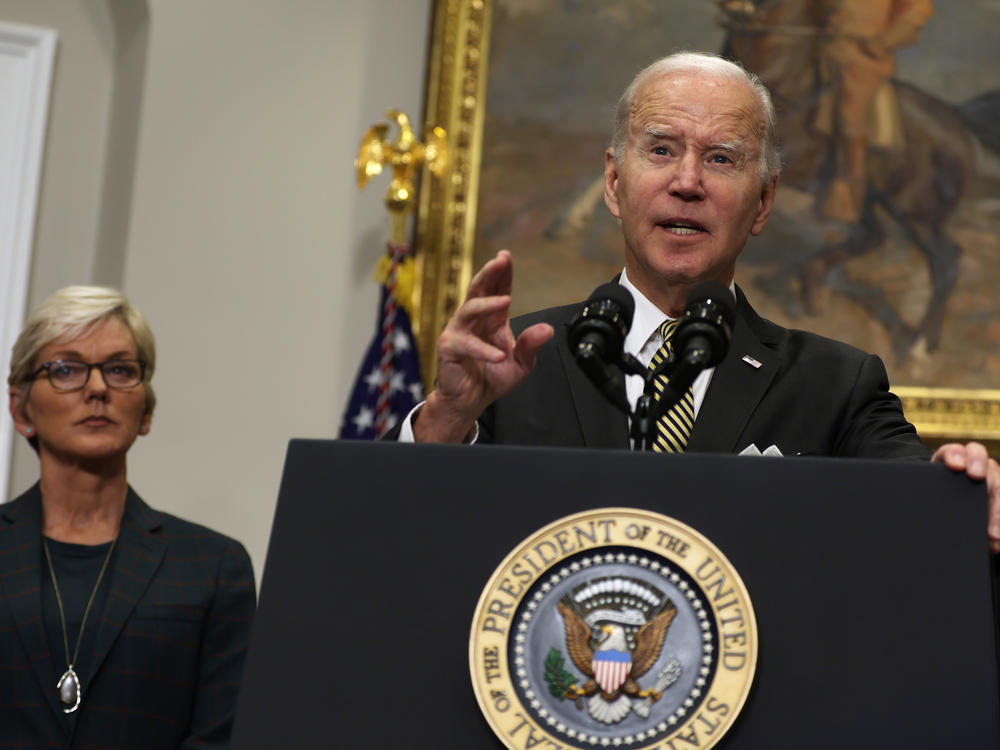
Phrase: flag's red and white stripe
(397, 252)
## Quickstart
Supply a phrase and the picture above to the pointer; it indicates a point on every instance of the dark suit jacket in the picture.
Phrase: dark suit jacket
(811, 396)
(170, 644)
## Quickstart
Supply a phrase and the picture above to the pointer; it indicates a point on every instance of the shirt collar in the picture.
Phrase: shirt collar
(647, 318)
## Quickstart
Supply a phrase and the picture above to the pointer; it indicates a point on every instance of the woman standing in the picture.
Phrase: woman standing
(122, 627)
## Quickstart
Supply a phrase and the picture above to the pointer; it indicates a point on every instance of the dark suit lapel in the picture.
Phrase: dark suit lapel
(138, 554)
(736, 388)
(602, 425)
(21, 577)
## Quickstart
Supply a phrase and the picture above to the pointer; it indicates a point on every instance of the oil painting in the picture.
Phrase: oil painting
(886, 226)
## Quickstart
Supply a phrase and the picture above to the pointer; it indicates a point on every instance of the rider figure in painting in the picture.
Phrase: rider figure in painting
(871, 153)
(858, 110)
(853, 60)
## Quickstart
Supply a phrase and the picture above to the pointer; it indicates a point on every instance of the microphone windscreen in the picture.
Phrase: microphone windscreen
(596, 337)
(603, 322)
(619, 295)
(707, 323)
(716, 293)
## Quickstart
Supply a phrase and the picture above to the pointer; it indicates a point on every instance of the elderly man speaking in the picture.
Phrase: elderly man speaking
(691, 173)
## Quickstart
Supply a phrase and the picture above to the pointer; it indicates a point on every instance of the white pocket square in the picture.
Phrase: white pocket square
(753, 450)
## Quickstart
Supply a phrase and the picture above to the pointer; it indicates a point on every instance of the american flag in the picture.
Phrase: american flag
(388, 384)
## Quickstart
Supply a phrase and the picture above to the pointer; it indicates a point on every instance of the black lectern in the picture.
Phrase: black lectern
(870, 580)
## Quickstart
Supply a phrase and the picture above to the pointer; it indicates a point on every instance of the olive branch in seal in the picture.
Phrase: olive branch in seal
(559, 680)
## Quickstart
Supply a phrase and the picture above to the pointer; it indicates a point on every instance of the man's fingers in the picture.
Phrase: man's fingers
(486, 318)
(457, 345)
(951, 455)
(476, 309)
(530, 341)
(495, 277)
(972, 458)
(976, 460)
(993, 491)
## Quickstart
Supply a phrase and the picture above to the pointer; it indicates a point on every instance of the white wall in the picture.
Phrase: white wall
(73, 161)
(247, 245)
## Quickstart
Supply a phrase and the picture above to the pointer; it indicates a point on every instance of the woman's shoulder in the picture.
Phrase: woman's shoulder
(25, 507)
(175, 529)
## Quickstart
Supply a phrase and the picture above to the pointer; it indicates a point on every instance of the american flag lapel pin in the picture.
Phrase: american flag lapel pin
(751, 361)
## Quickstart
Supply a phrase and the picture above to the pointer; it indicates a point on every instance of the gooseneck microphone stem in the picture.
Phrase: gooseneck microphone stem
(606, 377)
(649, 408)
(642, 418)
(642, 422)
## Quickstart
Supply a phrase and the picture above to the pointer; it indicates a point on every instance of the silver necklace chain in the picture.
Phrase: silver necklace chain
(69, 688)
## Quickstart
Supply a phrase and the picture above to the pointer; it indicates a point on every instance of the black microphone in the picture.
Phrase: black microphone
(597, 336)
(700, 341)
(703, 333)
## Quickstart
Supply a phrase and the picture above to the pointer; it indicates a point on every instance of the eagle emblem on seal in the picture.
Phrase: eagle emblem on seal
(615, 631)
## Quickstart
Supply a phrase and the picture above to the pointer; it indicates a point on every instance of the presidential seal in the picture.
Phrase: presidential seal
(616, 628)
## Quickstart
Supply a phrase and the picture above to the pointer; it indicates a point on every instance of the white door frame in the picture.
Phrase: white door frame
(27, 54)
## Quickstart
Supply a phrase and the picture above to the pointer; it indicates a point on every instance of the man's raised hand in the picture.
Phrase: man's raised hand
(478, 358)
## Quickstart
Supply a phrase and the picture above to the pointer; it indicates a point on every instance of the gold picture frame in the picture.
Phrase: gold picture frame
(447, 215)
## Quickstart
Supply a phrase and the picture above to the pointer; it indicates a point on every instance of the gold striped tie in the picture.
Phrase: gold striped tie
(674, 428)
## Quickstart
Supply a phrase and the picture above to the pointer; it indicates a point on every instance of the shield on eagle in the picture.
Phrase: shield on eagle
(611, 668)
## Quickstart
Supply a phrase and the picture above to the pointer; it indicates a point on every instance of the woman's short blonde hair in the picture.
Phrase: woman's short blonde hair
(69, 314)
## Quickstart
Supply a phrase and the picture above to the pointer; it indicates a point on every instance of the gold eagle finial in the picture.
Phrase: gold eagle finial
(405, 155)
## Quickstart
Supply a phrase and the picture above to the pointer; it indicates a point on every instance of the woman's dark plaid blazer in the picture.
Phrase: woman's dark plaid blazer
(170, 644)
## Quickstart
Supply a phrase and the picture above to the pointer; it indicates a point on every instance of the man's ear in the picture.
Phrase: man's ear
(611, 183)
(766, 202)
(146, 424)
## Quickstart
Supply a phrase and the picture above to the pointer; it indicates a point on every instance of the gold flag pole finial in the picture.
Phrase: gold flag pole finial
(405, 155)
(394, 381)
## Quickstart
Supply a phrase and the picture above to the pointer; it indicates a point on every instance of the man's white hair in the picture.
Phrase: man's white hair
(770, 157)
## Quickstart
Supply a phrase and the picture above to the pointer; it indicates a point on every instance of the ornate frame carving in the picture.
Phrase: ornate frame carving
(446, 220)
(946, 414)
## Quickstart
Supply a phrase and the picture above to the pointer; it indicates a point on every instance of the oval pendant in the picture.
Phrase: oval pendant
(69, 690)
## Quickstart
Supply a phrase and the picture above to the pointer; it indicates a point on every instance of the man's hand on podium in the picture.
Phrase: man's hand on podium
(973, 459)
